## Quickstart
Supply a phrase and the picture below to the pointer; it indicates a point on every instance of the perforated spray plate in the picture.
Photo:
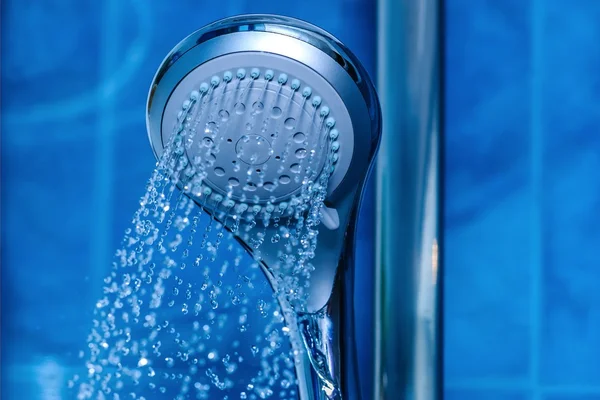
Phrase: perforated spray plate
(257, 138)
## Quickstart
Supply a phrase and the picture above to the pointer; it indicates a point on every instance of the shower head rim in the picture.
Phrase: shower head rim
(300, 30)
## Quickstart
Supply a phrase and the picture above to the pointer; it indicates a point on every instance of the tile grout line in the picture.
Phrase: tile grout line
(536, 307)
(101, 231)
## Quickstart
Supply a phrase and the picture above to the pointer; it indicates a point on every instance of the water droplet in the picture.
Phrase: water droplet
(219, 171)
(299, 137)
(258, 107)
(301, 153)
(284, 179)
(276, 112)
(224, 115)
(240, 108)
(269, 186)
(211, 128)
(290, 123)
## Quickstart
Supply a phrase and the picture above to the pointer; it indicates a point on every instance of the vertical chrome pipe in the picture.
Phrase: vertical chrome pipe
(408, 312)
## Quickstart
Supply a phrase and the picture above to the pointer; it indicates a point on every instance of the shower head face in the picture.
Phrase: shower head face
(261, 125)
(272, 102)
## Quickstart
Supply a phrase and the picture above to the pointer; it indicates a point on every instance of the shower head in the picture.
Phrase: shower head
(264, 113)
(271, 103)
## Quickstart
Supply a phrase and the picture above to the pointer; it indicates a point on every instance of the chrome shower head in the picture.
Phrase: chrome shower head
(270, 93)
(269, 103)
(269, 57)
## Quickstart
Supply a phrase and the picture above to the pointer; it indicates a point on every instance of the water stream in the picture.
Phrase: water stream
(186, 312)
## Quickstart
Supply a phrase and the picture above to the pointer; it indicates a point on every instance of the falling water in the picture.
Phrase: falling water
(186, 311)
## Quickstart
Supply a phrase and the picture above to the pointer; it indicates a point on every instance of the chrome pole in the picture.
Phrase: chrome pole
(408, 305)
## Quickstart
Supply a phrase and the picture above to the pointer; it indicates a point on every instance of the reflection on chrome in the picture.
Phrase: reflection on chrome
(409, 275)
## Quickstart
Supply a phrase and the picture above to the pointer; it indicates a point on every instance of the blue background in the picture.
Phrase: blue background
(76, 158)
(522, 231)
(522, 197)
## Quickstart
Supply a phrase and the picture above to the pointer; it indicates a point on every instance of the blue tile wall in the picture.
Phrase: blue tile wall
(570, 193)
(522, 160)
(488, 249)
(75, 158)
(471, 394)
(522, 192)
